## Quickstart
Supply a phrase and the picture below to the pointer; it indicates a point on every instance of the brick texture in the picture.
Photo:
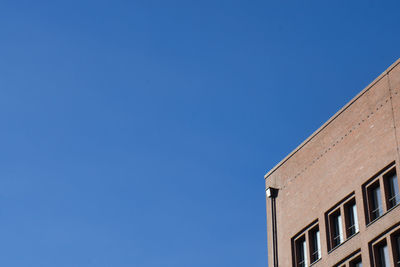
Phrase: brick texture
(353, 146)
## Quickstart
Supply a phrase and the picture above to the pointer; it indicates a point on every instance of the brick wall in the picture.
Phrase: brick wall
(354, 145)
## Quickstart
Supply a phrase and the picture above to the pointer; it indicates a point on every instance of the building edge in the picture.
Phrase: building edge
(331, 119)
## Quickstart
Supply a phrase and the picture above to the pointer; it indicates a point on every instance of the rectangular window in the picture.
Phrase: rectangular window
(306, 246)
(382, 254)
(356, 263)
(342, 221)
(336, 228)
(315, 244)
(351, 218)
(374, 201)
(392, 189)
(381, 193)
(301, 252)
(386, 248)
(396, 248)
(353, 260)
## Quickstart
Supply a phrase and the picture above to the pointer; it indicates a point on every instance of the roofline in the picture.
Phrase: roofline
(332, 118)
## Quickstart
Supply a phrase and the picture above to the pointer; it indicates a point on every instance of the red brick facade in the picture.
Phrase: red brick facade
(336, 162)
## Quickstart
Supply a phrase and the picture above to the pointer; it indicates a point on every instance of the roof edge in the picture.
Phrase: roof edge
(397, 62)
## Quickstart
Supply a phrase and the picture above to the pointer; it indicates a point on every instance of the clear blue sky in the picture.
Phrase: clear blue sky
(137, 133)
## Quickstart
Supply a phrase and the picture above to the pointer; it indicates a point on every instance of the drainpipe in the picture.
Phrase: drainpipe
(272, 193)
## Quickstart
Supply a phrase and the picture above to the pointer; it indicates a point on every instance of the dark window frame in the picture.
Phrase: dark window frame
(355, 261)
(351, 218)
(389, 238)
(342, 208)
(313, 246)
(306, 235)
(375, 205)
(336, 228)
(391, 196)
(350, 260)
(376, 208)
(395, 240)
(301, 255)
(379, 257)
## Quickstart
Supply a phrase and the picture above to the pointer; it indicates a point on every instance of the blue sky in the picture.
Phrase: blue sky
(137, 133)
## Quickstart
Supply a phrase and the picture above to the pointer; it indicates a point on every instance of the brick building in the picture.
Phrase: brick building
(334, 201)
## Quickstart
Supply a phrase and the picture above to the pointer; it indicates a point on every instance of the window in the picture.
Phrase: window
(356, 263)
(301, 252)
(315, 244)
(336, 228)
(385, 250)
(381, 193)
(351, 218)
(381, 253)
(354, 260)
(396, 248)
(374, 198)
(307, 246)
(342, 221)
(392, 189)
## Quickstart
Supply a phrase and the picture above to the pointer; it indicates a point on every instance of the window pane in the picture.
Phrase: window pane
(397, 249)
(382, 256)
(319, 244)
(301, 247)
(393, 191)
(337, 229)
(386, 254)
(315, 245)
(356, 263)
(351, 219)
(354, 209)
(304, 245)
(339, 222)
(376, 202)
